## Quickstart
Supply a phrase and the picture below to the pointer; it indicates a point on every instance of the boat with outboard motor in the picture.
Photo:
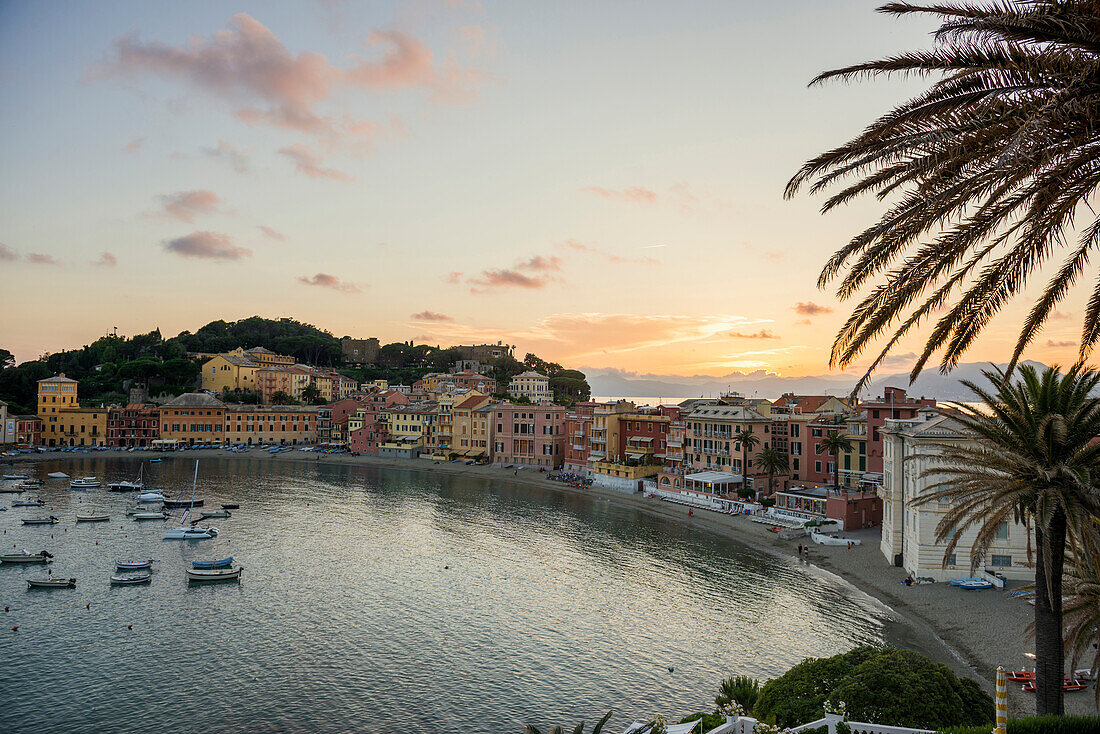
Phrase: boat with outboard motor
(24, 557)
(51, 583)
(51, 520)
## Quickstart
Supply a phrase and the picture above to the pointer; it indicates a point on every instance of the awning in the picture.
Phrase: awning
(714, 477)
(641, 439)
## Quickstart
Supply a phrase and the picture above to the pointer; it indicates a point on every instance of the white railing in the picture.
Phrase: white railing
(747, 725)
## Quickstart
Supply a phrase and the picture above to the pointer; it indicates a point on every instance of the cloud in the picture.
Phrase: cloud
(572, 244)
(1059, 345)
(229, 153)
(631, 194)
(133, 146)
(106, 260)
(185, 205)
(431, 316)
(309, 163)
(39, 258)
(324, 280)
(1059, 315)
(809, 308)
(7, 254)
(453, 277)
(207, 246)
(538, 275)
(271, 232)
(762, 334)
(247, 64)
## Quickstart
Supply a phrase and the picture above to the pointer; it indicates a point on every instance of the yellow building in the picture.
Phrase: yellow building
(409, 428)
(64, 422)
(229, 372)
(471, 426)
(192, 418)
(264, 357)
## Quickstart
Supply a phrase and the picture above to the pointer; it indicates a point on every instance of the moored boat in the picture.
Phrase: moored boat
(11, 489)
(129, 486)
(189, 533)
(214, 574)
(183, 531)
(150, 515)
(139, 578)
(208, 514)
(230, 506)
(57, 475)
(51, 583)
(24, 557)
(51, 520)
(16, 477)
(182, 504)
(93, 518)
(125, 565)
(29, 483)
(28, 502)
(151, 497)
(216, 563)
(84, 483)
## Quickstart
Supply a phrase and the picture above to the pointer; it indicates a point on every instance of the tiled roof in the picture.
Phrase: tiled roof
(194, 400)
(57, 378)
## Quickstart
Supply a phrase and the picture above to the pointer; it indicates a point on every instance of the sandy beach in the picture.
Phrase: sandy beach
(972, 632)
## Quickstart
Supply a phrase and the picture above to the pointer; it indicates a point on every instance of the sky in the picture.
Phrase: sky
(597, 183)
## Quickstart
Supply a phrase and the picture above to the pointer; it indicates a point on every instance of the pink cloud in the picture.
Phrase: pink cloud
(134, 145)
(39, 258)
(324, 280)
(809, 308)
(248, 64)
(308, 163)
(1059, 345)
(453, 277)
(271, 232)
(431, 316)
(8, 254)
(762, 334)
(631, 194)
(106, 260)
(229, 153)
(185, 205)
(538, 263)
(207, 246)
(538, 275)
(572, 244)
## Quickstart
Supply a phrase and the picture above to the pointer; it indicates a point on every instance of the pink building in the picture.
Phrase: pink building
(894, 405)
(578, 427)
(529, 435)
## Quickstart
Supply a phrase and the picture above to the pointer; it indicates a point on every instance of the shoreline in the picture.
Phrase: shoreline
(971, 632)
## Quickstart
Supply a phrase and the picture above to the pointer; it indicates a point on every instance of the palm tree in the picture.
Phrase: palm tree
(741, 689)
(984, 172)
(773, 461)
(834, 443)
(1081, 602)
(1032, 460)
(579, 729)
(748, 441)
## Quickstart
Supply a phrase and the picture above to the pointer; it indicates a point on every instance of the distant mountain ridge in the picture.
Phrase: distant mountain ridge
(930, 383)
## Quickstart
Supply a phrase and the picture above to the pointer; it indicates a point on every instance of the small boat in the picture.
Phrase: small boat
(57, 475)
(215, 513)
(151, 497)
(155, 461)
(16, 477)
(182, 504)
(51, 583)
(189, 533)
(1068, 684)
(25, 557)
(93, 518)
(28, 502)
(230, 506)
(150, 515)
(51, 520)
(217, 563)
(127, 486)
(1020, 676)
(28, 483)
(975, 584)
(11, 489)
(126, 565)
(960, 582)
(214, 574)
(84, 483)
(140, 578)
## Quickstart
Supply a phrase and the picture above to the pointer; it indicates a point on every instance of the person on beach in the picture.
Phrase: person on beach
(799, 549)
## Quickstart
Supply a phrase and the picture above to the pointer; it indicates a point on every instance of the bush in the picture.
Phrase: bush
(878, 685)
(710, 721)
(1038, 725)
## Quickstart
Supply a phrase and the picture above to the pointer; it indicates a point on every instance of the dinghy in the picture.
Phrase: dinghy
(975, 584)
(16, 477)
(182, 504)
(230, 506)
(93, 518)
(151, 497)
(57, 475)
(140, 578)
(150, 515)
(207, 515)
(24, 557)
(29, 483)
(214, 574)
(51, 583)
(31, 502)
(51, 520)
(11, 489)
(217, 563)
(127, 565)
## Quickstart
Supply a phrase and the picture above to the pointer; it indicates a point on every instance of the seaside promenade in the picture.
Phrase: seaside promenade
(971, 632)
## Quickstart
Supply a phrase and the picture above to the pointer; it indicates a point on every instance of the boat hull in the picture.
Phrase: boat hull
(218, 563)
(40, 521)
(51, 583)
(128, 565)
(19, 558)
(182, 504)
(142, 578)
(93, 518)
(227, 574)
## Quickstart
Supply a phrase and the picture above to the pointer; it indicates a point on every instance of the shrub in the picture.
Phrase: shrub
(878, 685)
(710, 721)
(1038, 725)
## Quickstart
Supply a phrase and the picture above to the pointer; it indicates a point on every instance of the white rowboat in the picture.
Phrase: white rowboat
(214, 574)
(141, 578)
(51, 583)
(93, 518)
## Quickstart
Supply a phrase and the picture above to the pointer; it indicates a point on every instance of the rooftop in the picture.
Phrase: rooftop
(194, 400)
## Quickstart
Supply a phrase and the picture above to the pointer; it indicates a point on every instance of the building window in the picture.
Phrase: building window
(1001, 560)
(952, 560)
(1001, 534)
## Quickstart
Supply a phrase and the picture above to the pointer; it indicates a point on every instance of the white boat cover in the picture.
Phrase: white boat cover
(683, 728)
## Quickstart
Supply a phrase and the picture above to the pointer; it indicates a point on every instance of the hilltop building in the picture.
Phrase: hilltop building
(64, 422)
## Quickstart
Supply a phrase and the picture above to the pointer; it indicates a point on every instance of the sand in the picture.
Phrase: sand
(970, 631)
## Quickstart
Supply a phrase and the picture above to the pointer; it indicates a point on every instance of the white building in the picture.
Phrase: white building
(531, 385)
(909, 448)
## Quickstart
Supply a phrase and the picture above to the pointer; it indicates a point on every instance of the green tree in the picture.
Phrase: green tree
(569, 386)
(834, 444)
(739, 689)
(310, 394)
(280, 397)
(1033, 459)
(878, 685)
(773, 461)
(748, 441)
(7, 359)
(985, 173)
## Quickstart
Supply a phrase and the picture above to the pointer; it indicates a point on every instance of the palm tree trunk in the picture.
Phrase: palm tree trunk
(836, 473)
(1050, 663)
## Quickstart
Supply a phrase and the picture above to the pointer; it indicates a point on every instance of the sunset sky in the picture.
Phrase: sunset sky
(598, 183)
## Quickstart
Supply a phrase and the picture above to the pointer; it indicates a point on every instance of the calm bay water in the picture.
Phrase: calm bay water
(554, 608)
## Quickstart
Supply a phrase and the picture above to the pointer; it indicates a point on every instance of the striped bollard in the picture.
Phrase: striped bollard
(1002, 702)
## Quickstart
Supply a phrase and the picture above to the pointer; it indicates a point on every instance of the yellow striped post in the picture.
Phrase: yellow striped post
(1002, 702)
